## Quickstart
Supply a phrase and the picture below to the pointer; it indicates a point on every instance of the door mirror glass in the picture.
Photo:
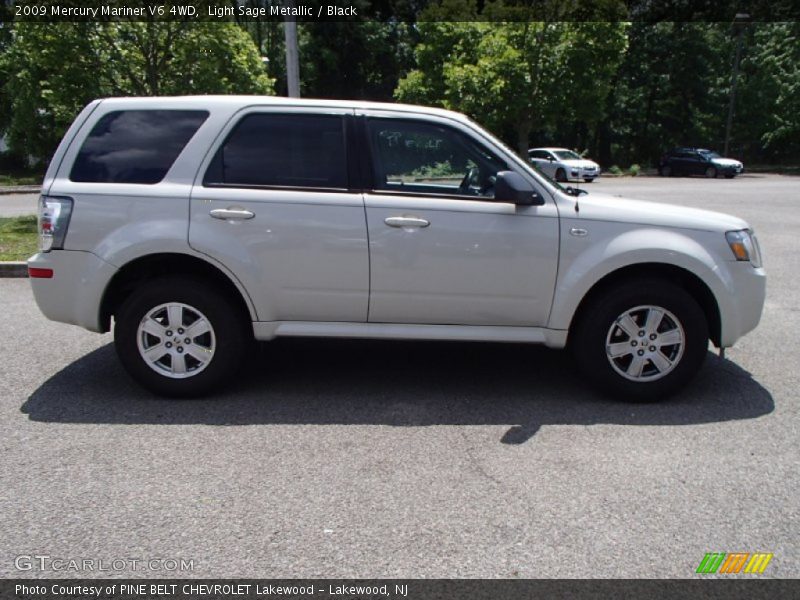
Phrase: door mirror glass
(513, 187)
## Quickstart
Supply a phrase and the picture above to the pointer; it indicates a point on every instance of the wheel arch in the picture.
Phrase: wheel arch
(680, 276)
(151, 266)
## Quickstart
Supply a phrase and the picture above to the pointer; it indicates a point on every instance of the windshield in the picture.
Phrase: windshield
(710, 154)
(566, 155)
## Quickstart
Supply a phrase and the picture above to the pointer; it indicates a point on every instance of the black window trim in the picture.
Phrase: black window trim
(348, 150)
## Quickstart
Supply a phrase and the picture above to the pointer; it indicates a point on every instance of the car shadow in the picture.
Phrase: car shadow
(354, 382)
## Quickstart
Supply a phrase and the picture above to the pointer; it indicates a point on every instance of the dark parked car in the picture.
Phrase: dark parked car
(698, 161)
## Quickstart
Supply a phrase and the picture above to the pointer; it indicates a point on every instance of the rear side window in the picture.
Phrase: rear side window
(135, 146)
(272, 150)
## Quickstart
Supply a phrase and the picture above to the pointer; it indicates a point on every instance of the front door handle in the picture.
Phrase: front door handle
(232, 213)
(405, 222)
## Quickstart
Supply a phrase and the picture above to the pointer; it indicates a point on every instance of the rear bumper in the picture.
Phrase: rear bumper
(74, 292)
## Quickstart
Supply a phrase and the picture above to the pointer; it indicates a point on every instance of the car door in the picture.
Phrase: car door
(442, 251)
(701, 163)
(539, 159)
(694, 164)
(681, 163)
(272, 204)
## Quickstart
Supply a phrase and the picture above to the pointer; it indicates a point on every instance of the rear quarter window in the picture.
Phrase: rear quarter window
(135, 146)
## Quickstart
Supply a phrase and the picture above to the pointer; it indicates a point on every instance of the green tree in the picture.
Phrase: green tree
(359, 60)
(55, 69)
(768, 102)
(672, 90)
(515, 77)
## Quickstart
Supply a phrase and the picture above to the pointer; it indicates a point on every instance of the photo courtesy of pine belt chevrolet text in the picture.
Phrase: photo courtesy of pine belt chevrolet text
(199, 225)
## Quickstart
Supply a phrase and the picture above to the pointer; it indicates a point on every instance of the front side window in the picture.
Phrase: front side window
(567, 155)
(282, 150)
(426, 158)
(135, 146)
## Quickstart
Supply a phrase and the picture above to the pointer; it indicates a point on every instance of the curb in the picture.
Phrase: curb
(20, 189)
(13, 269)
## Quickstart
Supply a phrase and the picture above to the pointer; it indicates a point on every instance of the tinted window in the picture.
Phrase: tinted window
(135, 146)
(426, 158)
(283, 151)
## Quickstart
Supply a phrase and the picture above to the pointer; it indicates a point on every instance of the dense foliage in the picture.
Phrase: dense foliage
(52, 70)
(623, 92)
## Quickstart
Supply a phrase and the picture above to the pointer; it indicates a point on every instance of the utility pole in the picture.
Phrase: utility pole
(739, 22)
(292, 55)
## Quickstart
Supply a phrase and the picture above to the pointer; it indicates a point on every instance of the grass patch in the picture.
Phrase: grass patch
(18, 237)
(13, 180)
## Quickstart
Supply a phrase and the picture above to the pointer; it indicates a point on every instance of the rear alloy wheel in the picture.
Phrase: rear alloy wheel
(711, 172)
(179, 337)
(641, 341)
(176, 340)
(561, 175)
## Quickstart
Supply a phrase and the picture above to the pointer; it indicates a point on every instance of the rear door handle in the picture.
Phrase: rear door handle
(232, 213)
(406, 222)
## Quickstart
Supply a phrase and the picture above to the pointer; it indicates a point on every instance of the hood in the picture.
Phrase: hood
(605, 207)
(580, 163)
(726, 161)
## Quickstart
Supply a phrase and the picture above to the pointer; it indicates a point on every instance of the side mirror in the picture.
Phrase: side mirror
(513, 187)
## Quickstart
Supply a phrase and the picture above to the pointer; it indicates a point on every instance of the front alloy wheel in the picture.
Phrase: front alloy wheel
(641, 340)
(645, 343)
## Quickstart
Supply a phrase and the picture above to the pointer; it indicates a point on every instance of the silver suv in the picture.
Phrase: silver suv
(200, 224)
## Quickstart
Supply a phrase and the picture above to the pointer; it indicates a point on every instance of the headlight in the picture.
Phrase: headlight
(744, 246)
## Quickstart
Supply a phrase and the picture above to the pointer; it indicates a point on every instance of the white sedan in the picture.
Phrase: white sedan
(563, 165)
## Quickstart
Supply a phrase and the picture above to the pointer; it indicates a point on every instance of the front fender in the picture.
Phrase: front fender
(585, 261)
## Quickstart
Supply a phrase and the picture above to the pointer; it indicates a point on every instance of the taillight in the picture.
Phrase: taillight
(39, 273)
(54, 214)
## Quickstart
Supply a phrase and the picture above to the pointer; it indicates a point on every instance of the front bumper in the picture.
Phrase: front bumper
(583, 173)
(730, 169)
(747, 289)
(75, 291)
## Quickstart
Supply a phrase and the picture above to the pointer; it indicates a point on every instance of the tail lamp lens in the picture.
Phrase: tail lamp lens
(54, 215)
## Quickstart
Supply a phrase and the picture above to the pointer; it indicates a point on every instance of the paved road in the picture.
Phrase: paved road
(365, 459)
(14, 205)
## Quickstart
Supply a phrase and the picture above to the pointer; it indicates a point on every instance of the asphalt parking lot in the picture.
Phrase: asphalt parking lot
(15, 205)
(366, 459)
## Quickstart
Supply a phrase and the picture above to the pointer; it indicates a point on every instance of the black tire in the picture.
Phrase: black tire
(711, 173)
(590, 180)
(561, 175)
(665, 171)
(589, 334)
(228, 325)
